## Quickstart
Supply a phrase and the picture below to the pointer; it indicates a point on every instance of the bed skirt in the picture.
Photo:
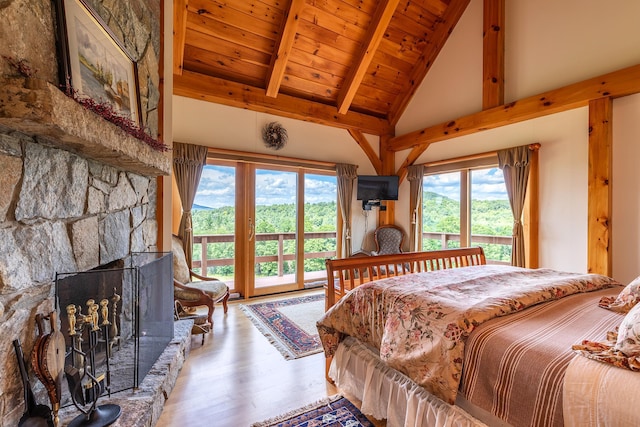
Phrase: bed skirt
(387, 394)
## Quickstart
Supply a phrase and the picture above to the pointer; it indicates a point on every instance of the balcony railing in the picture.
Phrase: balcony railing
(281, 257)
(475, 238)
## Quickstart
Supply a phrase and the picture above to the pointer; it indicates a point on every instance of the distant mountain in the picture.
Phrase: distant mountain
(197, 207)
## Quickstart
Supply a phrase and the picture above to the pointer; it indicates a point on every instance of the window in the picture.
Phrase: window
(467, 207)
(441, 211)
(491, 216)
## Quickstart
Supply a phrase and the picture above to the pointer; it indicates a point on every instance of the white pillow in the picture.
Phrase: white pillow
(626, 300)
(628, 341)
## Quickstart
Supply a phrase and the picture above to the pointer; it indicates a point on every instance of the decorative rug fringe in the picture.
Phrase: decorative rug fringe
(297, 412)
(265, 330)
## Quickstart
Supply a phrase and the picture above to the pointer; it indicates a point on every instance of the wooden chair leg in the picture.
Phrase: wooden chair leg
(211, 307)
(224, 302)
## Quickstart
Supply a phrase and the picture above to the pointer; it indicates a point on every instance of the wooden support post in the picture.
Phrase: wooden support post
(493, 58)
(599, 188)
(388, 158)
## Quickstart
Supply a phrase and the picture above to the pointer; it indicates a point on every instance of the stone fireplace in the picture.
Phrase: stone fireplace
(76, 192)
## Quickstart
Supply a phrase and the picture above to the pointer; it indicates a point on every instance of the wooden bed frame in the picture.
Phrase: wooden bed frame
(345, 274)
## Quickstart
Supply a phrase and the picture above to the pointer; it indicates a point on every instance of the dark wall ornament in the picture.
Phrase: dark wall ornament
(274, 135)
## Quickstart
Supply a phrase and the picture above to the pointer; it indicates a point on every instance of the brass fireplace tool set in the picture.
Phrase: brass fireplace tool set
(85, 384)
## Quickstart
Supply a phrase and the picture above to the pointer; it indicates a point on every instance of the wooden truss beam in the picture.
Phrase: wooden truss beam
(213, 89)
(615, 84)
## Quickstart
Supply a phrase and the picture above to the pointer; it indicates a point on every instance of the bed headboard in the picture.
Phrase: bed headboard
(345, 274)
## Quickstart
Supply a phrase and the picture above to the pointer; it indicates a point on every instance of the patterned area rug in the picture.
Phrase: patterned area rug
(336, 411)
(289, 324)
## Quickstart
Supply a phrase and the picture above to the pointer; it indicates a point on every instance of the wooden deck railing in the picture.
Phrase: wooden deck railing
(280, 257)
(445, 238)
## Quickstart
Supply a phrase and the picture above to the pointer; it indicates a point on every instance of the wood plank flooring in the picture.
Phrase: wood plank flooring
(237, 377)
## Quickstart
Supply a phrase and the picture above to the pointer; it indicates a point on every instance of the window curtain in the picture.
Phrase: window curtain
(346, 175)
(188, 161)
(514, 163)
(415, 175)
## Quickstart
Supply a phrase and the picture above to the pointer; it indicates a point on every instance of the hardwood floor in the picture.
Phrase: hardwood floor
(237, 377)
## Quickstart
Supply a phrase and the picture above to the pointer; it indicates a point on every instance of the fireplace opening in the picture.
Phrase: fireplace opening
(116, 320)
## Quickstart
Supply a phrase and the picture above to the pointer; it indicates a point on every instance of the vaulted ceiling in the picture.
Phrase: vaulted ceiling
(353, 64)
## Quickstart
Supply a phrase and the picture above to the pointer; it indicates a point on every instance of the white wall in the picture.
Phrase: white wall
(549, 44)
(553, 43)
(625, 234)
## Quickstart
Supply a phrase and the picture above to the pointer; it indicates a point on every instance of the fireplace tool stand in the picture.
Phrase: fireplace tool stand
(85, 384)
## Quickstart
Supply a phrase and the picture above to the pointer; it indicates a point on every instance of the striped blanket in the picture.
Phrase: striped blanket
(420, 321)
(514, 366)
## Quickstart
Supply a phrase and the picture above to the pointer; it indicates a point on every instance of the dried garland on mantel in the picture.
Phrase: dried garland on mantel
(102, 109)
(107, 112)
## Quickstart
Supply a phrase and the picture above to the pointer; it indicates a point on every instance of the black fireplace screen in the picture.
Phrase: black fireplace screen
(130, 305)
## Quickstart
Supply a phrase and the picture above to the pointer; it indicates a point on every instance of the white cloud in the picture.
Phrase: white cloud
(487, 184)
(217, 187)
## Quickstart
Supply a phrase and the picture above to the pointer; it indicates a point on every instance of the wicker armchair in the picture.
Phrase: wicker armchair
(206, 291)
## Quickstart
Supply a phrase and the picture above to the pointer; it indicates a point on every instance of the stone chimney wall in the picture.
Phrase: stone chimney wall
(63, 210)
(58, 213)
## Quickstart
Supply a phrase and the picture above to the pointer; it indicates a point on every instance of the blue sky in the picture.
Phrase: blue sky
(486, 184)
(217, 186)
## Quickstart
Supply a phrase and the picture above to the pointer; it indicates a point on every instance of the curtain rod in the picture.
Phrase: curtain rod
(244, 156)
(533, 147)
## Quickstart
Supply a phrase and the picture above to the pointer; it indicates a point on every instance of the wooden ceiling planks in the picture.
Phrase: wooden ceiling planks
(360, 56)
(439, 36)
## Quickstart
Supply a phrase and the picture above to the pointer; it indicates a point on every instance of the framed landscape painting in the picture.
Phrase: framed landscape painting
(95, 64)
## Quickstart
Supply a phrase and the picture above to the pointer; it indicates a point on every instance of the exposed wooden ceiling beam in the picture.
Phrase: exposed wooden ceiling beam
(179, 33)
(441, 34)
(616, 84)
(411, 158)
(368, 150)
(378, 25)
(493, 54)
(213, 89)
(283, 47)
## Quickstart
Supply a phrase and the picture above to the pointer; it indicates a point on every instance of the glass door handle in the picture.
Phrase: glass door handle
(252, 229)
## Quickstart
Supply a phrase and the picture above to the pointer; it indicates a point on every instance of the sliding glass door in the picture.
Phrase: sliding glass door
(275, 230)
(264, 229)
(214, 223)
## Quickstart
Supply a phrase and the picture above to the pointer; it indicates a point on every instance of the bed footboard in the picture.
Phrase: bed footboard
(347, 273)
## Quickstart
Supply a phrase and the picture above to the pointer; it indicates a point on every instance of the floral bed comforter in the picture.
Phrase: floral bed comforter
(420, 321)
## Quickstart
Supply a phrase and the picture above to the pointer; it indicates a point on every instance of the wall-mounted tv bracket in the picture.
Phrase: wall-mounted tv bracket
(368, 204)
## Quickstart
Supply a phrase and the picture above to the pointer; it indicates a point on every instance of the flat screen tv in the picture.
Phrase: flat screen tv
(377, 187)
